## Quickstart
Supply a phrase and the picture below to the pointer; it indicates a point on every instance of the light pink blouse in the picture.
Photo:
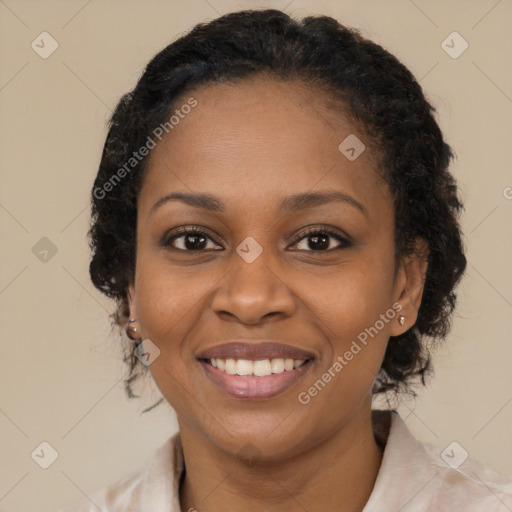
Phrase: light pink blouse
(413, 477)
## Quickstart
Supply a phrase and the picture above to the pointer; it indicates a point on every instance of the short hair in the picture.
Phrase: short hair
(383, 98)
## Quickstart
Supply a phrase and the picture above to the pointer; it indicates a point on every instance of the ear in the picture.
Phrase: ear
(132, 301)
(409, 285)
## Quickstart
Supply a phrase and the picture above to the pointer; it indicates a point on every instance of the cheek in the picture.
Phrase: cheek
(352, 299)
(167, 307)
(349, 307)
(358, 338)
(167, 299)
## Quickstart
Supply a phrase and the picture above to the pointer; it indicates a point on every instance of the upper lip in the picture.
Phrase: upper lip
(254, 350)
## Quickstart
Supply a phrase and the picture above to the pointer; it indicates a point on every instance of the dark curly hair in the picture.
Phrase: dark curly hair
(381, 96)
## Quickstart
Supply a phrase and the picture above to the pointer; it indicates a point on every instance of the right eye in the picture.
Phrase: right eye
(191, 239)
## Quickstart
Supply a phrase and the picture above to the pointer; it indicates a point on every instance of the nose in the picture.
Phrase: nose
(252, 293)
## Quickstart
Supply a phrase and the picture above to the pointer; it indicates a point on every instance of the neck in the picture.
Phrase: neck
(337, 474)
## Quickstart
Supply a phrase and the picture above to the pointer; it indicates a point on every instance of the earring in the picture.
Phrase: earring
(401, 320)
(132, 328)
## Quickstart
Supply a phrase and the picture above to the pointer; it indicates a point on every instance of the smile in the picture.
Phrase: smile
(255, 380)
(261, 368)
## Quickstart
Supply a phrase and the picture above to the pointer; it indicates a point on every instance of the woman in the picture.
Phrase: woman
(275, 218)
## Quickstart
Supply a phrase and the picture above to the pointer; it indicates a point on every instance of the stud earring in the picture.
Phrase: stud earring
(131, 327)
(401, 320)
(131, 330)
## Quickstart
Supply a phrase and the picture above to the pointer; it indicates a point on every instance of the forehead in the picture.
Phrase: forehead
(261, 139)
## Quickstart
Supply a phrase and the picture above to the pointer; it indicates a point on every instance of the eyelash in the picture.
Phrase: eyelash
(193, 230)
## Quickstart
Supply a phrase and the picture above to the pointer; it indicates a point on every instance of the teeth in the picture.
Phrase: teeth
(262, 368)
(229, 366)
(244, 367)
(277, 365)
(259, 368)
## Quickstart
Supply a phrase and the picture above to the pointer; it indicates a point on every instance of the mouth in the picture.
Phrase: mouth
(255, 370)
(259, 368)
(255, 380)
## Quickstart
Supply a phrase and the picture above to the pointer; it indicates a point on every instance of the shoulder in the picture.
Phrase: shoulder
(114, 497)
(149, 489)
(420, 477)
(463, 481)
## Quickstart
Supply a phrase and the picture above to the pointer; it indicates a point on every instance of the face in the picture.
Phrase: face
(266, 264)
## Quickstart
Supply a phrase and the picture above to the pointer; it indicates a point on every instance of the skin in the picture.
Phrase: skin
(252, 145)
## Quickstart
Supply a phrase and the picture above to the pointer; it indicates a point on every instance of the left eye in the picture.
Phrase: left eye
(320, 240)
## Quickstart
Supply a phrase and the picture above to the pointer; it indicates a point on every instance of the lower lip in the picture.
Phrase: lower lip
(254, 388)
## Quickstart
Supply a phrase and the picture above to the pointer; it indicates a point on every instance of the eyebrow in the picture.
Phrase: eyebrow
(289, 204)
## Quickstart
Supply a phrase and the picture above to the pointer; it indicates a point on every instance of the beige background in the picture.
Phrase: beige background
(60, 374)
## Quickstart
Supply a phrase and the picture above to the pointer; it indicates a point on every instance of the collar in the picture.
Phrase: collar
(413, 477)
